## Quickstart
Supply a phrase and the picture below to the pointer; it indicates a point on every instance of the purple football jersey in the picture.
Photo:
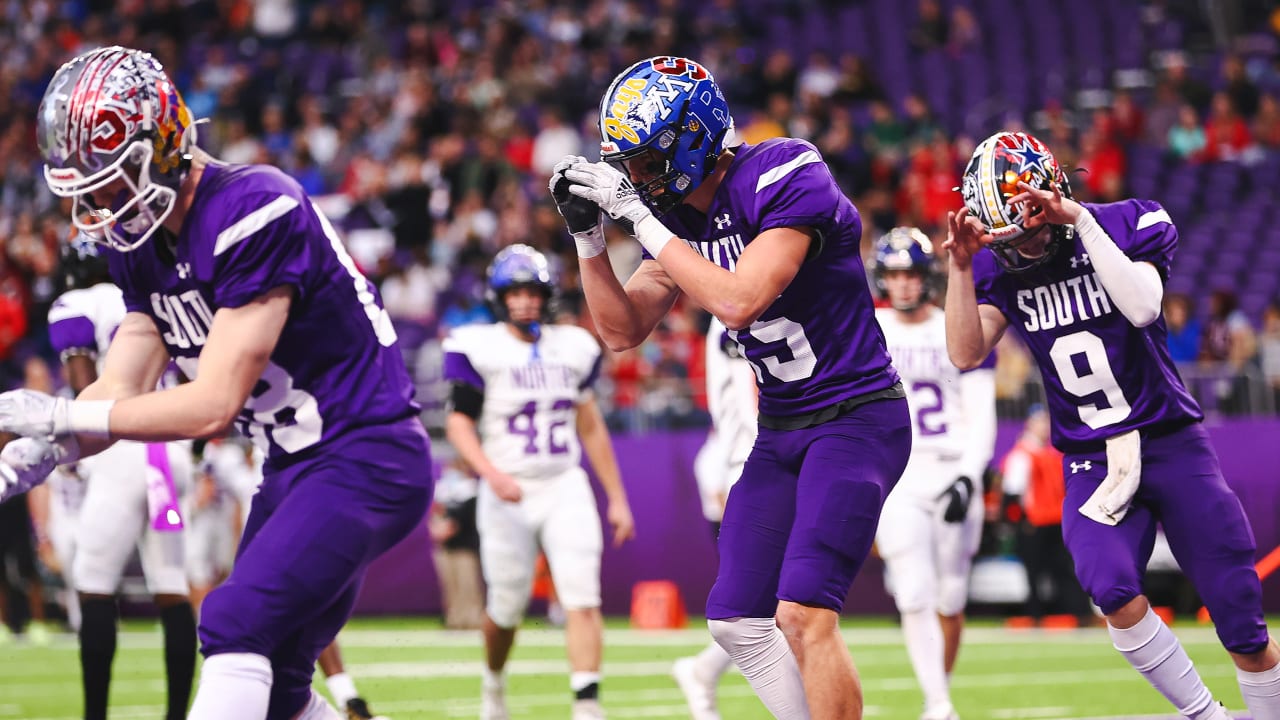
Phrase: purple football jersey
(250, 229)
(1102, 375)
(818, 344)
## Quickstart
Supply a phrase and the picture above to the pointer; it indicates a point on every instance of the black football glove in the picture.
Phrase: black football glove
(580, 214)
(957, 497)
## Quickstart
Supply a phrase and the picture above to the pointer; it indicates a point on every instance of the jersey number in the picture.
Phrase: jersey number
(925, 409)
(1096, 377)
(524, 423)
(276, 411)
(790, 335)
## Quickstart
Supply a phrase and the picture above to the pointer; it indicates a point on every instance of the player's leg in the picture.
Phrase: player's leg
(907, 543)
(112, 519)
(699, 675)
(163, 557)
(1109, 562)
(1210, 536)
(571, 538)
(295, 579)
(508, 551)
(958, 543)
(850, 466)
(743, 602)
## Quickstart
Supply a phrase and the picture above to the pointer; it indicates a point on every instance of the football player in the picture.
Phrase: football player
(522, 411)
(1082, 286)
(762, 237)
(932, 522)
(231, 271)
(128, 490)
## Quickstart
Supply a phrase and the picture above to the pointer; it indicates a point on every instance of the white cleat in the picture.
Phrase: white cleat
(700, 695)
(944, 712)
(493, 702)
(587, 710)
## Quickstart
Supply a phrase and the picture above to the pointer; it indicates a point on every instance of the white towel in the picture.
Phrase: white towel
(1109, 503)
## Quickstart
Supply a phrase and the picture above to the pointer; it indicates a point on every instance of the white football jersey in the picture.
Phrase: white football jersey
(84, 320)
(731, 395)
(528, 422)
(952, 413)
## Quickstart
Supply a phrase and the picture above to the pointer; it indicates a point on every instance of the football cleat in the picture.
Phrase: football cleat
(700, 695)
(587, 710)
(493, 702)
(358, 709)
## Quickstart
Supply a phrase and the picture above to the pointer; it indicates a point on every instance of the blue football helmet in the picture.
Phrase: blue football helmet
(519, 266)
(905, 248)
(666, 118)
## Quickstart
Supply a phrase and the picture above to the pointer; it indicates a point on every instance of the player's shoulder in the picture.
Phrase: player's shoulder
(1133, 213)
(226, 184)
(573, 336)
(86, 302)
(235, 201)
(780, 156)
(472, 338)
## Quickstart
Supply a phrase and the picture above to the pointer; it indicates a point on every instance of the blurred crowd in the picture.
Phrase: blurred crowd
(427, 131)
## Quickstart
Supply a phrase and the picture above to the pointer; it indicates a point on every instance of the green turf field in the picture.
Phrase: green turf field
(408, 668)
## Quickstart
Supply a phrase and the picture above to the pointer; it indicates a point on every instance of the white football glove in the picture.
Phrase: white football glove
(31, 413)
(24, 464)
(610, 190)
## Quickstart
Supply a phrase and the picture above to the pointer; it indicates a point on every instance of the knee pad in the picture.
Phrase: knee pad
(913, 586)
(741, 632)
(953, 594)
(505, 605)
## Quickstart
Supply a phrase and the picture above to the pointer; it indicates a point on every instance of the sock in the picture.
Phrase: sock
(97, 651)
(491, 679)
(342, 688)
(318, 709)
(761, 652)
(179, 623)
(1261, 691)
(711, 663)
(585, 685)
(925, 646)
(1153, 650)
(72, 602)
(233, 685)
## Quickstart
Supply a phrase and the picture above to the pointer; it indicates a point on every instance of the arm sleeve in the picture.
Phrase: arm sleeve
(264, 247)
(1133, 274)
(978, 397)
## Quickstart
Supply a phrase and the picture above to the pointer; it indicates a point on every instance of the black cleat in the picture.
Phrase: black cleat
(358, 709)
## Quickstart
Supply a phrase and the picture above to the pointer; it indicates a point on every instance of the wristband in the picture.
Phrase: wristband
(653, 235)
(590, 242)
(90, 417)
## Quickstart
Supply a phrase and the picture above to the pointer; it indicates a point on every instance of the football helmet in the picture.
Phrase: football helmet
(112, 117)
(663, 123)
(991, 178)
(519, 266)
(83, 264)
(905, 248)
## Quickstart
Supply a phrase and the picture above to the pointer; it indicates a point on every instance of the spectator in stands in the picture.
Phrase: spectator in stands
(1186, 139)
(857, 82)
(1129, 121)
(1183, 327)
(1238, 86)
(1225, 132)
(1163, 114)
(1228, 346)
(1266, 124)
(1269, 349)
(1033, 470)
(965, 33)
(930, 30)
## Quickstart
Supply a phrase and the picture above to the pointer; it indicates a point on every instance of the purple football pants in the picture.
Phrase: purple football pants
(800, 522)
(314, 528)
(1183, 490)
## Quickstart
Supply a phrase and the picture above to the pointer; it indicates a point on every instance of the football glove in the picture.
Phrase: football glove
(957, 497)
(607, 188)
(583, 218)
(35, 414)
(24, 464)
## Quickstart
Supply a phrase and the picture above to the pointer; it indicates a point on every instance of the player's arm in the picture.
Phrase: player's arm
(240, 343)
(624, 317)
(766, 267)
(465, 403)
(978, 408)
(1135, 287)
(599, 449)
(972, 329)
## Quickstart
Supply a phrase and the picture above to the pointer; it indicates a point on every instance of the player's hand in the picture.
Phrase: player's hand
(33, 414)
(1055, 209)
(965, 237)
(504, 486)
(610, 190)
(957, 497)
(619, 516)
(47, 556)
(580, 215)
(24, 464)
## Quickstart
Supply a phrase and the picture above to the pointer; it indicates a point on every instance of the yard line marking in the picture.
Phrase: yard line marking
(1031, 712)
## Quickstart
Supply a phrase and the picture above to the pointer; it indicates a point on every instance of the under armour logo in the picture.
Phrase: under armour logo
(184, 269)
(722, 221)
(1077, 262)
(1076, 467)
